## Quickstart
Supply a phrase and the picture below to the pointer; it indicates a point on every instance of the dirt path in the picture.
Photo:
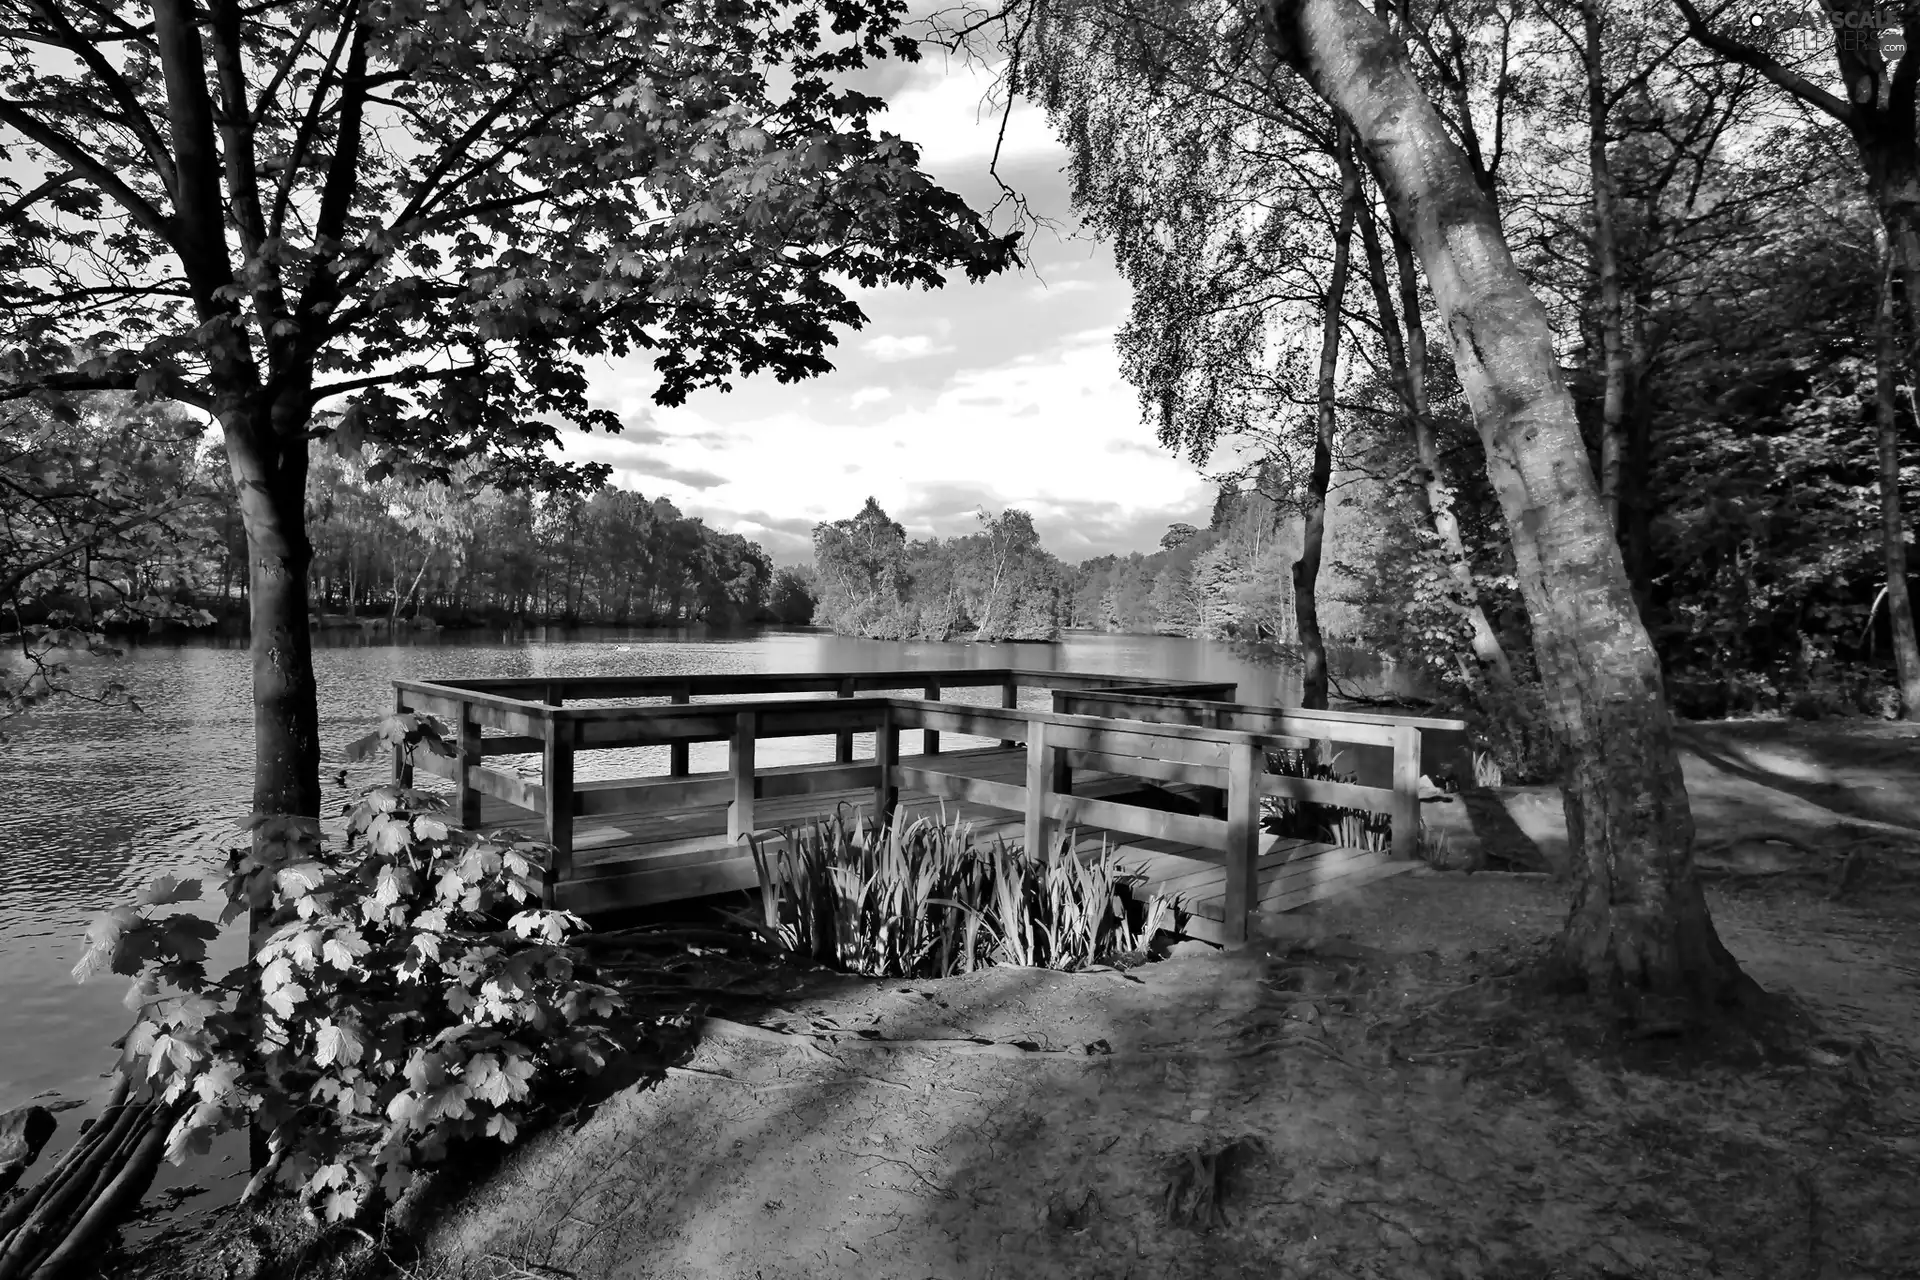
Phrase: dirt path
(1411, 1116)
(1813, 791)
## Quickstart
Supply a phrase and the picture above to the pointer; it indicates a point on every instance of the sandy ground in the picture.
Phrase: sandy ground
(1375, 1092)
(1411, 1119)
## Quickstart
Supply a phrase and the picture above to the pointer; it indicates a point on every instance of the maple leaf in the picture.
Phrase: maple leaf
(337, 1042)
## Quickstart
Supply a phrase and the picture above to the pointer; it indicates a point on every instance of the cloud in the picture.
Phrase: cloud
(869, 395)
(1135, 446)
(658, 469)
(945, 505)
(912, 346)
(784, 524)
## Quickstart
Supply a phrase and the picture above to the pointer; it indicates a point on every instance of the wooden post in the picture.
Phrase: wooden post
(1009, 699)
(1242, 895)
(467, 756)
(1062, 767)
(402, 759)
(677, 752)
(843, 741)
(886, 754)
(1406, 791)
(1039, 773)
(930, 738)
(557, 781)
(552, 694)
(740, 766)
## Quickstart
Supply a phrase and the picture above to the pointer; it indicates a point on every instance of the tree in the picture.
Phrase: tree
(434, 214)
(1879, 106)
(792, 601)
(104, 516)
(1176, 536)
(861, 567)
(1638, 926)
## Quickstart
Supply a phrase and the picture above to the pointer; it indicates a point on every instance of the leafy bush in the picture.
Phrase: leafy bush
(1509, 726)
(403, 996)
(927, 899)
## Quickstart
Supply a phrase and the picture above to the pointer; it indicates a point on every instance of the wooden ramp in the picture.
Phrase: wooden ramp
(631, 859)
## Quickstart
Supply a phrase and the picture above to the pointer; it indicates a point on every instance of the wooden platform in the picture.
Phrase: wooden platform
(1082, 767)
(625, 860)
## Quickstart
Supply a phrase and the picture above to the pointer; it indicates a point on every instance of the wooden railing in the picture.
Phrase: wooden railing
(1156, 730)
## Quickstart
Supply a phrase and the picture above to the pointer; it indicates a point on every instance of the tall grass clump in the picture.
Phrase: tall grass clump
(926, 899)
(1326, 823)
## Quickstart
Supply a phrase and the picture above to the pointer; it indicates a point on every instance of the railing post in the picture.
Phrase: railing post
(1406, 791)
(1039, 774)
(886, 754)
(1061, 765)
(557, 784)
(1242, 895)
(402, 761)
(1009, 700)
(740, 766)
(843, 741)
(677, 755)
(551, 693)
(467, 757)
(930, 738)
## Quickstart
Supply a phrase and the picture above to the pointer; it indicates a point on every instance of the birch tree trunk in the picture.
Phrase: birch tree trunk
(1433, 503)
(1638, 926)
(1606, 270)
(1306, 570)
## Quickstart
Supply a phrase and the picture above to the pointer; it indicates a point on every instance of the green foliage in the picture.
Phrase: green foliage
(1772, 530)
(406, 994)
(442, 211)
(927, 899)
(103, 524)
(793, 597)
(1231, 580)
(997, 584)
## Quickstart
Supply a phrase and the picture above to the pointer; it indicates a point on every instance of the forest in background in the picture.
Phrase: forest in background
(79, 500)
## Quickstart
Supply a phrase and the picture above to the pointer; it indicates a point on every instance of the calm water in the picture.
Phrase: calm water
(95, 804)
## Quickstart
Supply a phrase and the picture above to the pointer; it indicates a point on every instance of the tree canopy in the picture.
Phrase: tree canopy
(428, 219)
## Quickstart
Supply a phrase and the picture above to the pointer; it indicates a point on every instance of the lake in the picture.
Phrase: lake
(96, 803)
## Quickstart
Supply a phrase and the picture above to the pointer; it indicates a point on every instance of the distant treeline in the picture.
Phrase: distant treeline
(1229, 580)
(126, 514)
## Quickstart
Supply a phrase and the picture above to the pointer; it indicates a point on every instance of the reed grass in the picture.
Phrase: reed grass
(1326, 823)
(930, 899)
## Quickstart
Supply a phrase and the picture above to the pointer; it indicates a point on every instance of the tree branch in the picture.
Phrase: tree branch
(11, 583)
(1748, 56)
(173, 387)
(136, 205)
(116, 85)
(399, 377)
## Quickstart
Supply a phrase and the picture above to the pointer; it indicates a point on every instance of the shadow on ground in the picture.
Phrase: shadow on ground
(1416, 1110)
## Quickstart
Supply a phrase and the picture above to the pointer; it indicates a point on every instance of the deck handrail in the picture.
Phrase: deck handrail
(1152, 735)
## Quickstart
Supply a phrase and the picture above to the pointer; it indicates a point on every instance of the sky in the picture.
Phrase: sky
(1004, 393)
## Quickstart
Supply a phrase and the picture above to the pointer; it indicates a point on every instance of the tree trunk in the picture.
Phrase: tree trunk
(1639, 924)
(1432, 500)
(1894, 309)
(1306, 570)
(1636, 467)
(271, 481)
(1606, 270)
